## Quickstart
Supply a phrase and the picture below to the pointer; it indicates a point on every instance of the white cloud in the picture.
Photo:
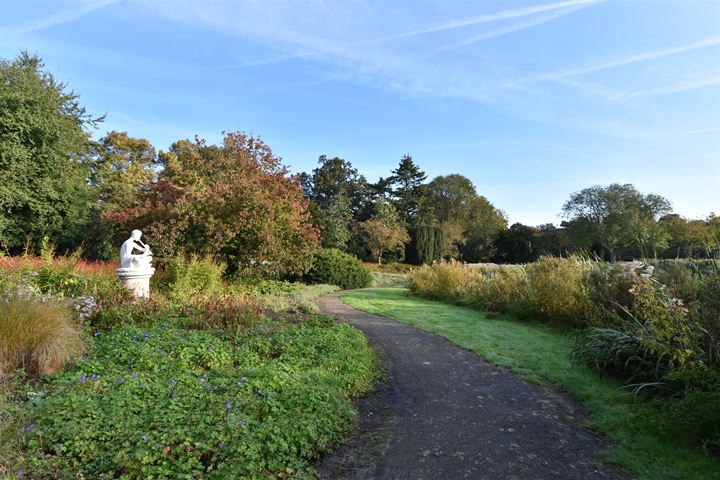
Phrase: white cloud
(490, 17)
(60, 18)
(511, 28)
(641, 57)
(679, 87)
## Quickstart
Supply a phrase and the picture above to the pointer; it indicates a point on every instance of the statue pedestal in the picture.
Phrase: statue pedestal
(136, 280)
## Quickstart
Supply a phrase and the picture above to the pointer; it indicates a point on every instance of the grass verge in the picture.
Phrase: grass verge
(540, 354)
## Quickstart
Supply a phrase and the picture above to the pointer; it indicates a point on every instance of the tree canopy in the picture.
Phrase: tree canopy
(235, 200)
(614, 216)
(44, 156)
(238, 201)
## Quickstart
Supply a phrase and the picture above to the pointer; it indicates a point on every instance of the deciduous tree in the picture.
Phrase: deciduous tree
(235, 200)
(124, 169)
(44, 156)
(379, 237)
(615, 215)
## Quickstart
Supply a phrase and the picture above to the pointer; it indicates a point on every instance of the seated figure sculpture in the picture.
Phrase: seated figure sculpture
(133, 261)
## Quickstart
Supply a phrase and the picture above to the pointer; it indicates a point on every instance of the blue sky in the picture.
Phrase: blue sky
(532, 99)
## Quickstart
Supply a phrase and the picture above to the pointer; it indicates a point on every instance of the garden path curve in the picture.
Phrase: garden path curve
(447, 414)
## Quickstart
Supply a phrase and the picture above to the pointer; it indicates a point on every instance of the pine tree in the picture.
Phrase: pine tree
(407, 184)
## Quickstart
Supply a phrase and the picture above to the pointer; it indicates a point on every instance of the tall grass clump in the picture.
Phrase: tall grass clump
(37, 334)
(441, 281)
(501, 288)
(558, 292)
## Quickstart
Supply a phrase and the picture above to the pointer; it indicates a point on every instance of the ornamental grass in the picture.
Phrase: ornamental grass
(37, 334)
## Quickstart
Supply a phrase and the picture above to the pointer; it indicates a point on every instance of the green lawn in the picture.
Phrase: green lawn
(539, 354)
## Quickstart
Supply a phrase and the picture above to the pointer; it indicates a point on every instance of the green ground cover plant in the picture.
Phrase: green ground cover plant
(187, 385)
(643, 433)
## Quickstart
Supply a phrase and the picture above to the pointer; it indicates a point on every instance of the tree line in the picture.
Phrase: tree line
(237, 201)
(405, 218)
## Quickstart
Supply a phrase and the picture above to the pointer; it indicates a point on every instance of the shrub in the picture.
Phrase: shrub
(680, 280)
(557, 290)
(656, 339)
(125, 309)
(194, 277)
(39, 335)
(695, 418)
(334, 267)
(610, 292)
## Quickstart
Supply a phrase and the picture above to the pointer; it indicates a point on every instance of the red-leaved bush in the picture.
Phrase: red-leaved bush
(236, 201)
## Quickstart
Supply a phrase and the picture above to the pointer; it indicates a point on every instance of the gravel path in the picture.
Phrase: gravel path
(445, 413)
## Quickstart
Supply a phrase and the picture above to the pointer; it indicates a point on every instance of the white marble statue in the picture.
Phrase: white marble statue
(136, 268)
(130, 260)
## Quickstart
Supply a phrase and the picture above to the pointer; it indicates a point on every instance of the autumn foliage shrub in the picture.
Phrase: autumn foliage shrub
(235, 201)
(38, 334)
(334, 267)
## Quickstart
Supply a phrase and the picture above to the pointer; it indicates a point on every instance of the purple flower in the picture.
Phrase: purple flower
(129, 362)
(202, 379)
(142, 385)
(96, 333)
(20, 473)
(83, 378)
(241, 424)
(222, 445)
(29, 427)
(173, 382)
(228, 406)
(122, 380)
(144, 438)
(135, 377)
